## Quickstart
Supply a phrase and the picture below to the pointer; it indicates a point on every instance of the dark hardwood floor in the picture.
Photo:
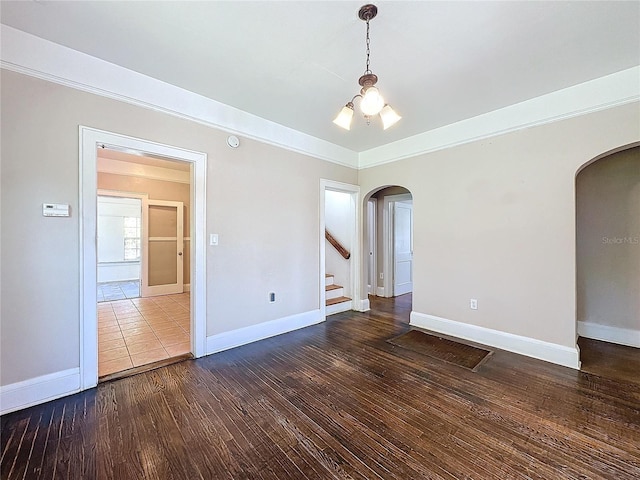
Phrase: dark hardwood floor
(335, 401)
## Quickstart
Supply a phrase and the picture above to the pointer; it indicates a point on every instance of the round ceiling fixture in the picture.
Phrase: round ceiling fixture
(233, 141)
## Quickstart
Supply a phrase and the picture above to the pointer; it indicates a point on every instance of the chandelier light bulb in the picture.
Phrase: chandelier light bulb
(345, 116)
(389, 117)
(372, 102)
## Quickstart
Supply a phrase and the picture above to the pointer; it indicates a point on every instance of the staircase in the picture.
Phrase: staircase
(336, 301)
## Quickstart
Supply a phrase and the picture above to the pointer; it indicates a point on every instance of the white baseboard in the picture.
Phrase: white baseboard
(27, 393)
(607, 333)
(531, 347)
(362, 305)
(186, 287)
(242, 336)
(380, 292)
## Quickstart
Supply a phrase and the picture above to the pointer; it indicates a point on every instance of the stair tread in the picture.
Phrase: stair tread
(333, 301)
(333, 286)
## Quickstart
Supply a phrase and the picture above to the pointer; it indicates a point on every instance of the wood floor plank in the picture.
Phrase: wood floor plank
(554, 449)
(337, 401)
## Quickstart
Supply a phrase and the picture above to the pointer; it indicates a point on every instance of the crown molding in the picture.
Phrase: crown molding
(605, 92)
(130, 169)
(30, 55)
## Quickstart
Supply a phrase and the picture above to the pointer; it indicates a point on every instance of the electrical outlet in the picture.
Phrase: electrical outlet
(473, 304)
(272, 297)
(381, 276)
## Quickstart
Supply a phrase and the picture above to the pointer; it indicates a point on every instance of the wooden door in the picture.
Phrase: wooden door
(162, 249)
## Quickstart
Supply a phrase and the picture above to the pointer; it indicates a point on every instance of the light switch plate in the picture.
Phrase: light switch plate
(213, 239)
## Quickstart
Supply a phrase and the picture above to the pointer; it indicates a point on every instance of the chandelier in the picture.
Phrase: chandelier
(371, 102)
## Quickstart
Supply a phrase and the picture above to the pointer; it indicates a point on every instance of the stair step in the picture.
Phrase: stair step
(333, 286)
(333, 301)
(334, 293)
(328, 279)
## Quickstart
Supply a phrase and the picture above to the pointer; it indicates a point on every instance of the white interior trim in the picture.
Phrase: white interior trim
(25, 53)
(607, 333)
(27, 393)
(362, 305)
(356, 238)
(89, 139)
(118, 167)
(30, 55)
(531, 347)
(372, 245)
(242, 336)
(116, 193)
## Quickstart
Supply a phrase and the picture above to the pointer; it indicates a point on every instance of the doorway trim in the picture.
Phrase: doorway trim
(372, 245)
(356, 241)
(89, 140)
(388, 240)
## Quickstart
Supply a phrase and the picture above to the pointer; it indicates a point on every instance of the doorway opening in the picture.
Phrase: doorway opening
(169, 316)
(119, 234)
(339, 249)
(389, 244)
(142, 236)
(608, 256)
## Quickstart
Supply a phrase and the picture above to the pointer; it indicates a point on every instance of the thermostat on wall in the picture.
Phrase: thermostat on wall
(55, 210)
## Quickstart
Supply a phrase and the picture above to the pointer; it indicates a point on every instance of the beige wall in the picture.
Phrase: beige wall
(495, 220)
(608, 240)
(263, 201)
(157, 190)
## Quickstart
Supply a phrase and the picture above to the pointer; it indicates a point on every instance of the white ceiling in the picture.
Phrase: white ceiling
(297, 63)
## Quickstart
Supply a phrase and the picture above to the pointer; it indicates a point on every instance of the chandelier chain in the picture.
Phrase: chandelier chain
(368, 70)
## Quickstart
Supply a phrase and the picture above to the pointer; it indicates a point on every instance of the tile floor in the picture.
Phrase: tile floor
(134, 332)
(118, 290)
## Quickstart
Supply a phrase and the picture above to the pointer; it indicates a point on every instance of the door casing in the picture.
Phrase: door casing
(372, 246)
(89, 141)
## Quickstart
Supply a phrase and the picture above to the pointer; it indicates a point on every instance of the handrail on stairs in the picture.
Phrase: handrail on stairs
(336, 244)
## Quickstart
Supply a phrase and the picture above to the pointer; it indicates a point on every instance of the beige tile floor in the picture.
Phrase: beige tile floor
(138, 331)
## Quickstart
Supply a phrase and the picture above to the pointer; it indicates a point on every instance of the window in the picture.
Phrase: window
(131, 238)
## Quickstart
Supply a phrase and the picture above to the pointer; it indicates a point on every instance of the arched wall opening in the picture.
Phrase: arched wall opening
(388, 242)
(608, 247)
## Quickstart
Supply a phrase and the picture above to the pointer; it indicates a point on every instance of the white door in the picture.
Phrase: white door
(403, 248)
(371, 245)
(162, 249)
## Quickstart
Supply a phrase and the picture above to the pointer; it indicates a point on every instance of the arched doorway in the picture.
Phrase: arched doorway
(388, 243)
(608, 253)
